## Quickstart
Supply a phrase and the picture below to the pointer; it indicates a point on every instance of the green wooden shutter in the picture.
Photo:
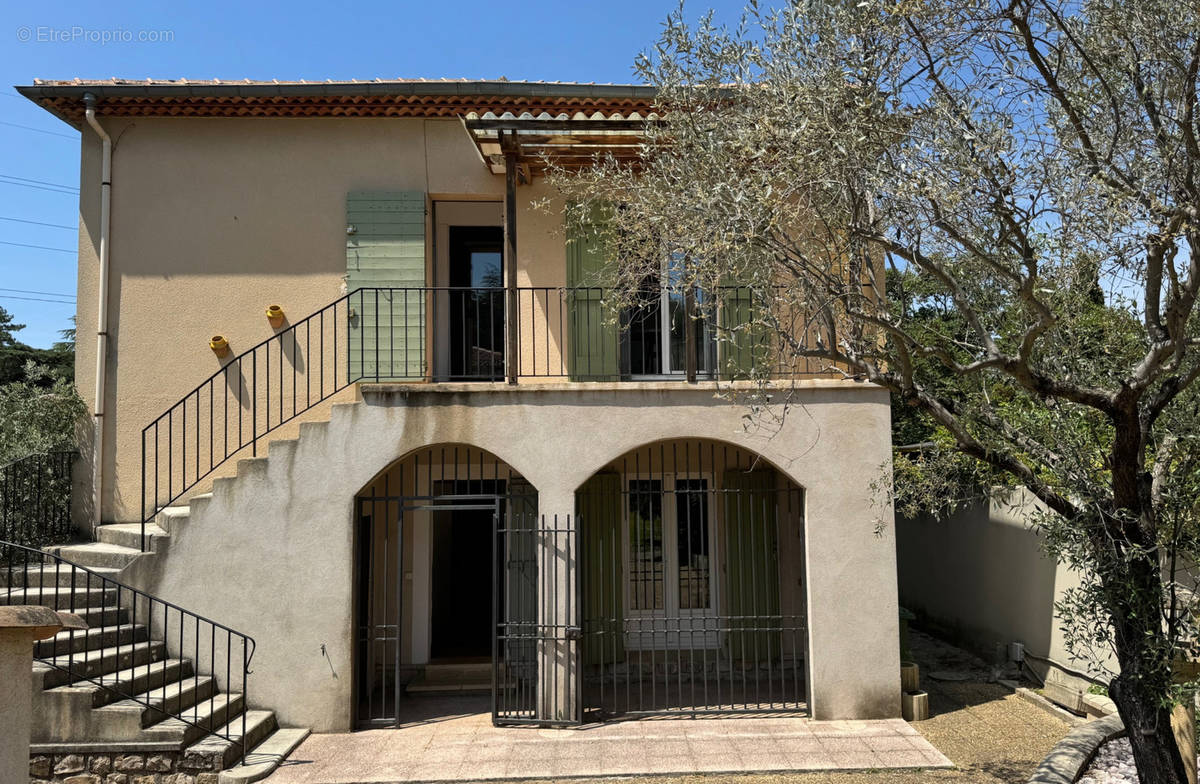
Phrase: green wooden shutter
(598, 513)
(385, 263)
(751, 564)
(594, 350)
(743, 346)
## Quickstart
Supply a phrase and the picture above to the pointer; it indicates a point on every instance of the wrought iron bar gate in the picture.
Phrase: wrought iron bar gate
(536, 664)
(693, 591)
(534, 612)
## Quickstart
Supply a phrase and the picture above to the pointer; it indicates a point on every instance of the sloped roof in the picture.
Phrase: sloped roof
(377, 98)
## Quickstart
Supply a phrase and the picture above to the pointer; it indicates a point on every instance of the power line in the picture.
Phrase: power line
(37, 130)
(47, 293)
(36, 299)
(40, 182)
(38, 187)
(38, 247)
(39, 223)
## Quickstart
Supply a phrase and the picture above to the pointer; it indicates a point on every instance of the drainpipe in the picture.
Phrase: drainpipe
(89, 102)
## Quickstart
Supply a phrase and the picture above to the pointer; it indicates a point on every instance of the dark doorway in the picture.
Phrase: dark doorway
(462, 585)
(476, 303)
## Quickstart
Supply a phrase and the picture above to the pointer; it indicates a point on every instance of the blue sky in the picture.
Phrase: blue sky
(569, 41)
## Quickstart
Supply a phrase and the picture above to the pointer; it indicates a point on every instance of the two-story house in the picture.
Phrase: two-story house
(358, 395)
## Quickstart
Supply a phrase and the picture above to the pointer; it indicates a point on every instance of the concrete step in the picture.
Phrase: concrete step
(60, 598)
(265, 758)
(198, 720)
(97, 554)
(48, 575)
(452, 678)
(131, 680)
(224, 749)
(458, 671)
(159, 702)
(129, 535)
(89, 639)
(172, 517)
(92, 664)
(111, 615)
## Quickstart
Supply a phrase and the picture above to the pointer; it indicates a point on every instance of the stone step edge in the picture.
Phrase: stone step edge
(276, 747)
(105, 747)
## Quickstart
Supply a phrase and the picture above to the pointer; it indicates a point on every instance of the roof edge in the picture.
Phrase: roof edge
(185, 89)
(63, 99)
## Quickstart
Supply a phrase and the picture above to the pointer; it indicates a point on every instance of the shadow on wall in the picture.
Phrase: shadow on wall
(981, 579)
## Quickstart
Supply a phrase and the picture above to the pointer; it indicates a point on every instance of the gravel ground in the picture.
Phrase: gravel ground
(1113, 764)
(993, 736)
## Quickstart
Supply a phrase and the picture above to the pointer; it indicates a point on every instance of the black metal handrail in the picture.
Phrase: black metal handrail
(385, 334)
(114, 612)
(35, 498)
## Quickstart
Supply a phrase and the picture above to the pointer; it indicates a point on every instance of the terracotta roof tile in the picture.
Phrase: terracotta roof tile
(355, 98)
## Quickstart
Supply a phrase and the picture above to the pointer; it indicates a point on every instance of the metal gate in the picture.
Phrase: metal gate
(535, 660)
(379, 579)
(693, 591)
(533, 603)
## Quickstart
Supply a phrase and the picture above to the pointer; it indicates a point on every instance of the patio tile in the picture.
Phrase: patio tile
(470, 749)
(898, 758)
(667, 748)
(854, 760)
(432, 773)
(723, 762)
(806, 745)
(888, 743)
(844, 745)
(810, 761)
(769, 761)
(480, 770)
(935, 757)
(676, 764)
(530, 768)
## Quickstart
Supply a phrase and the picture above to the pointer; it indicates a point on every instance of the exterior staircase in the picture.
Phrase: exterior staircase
(116, 689)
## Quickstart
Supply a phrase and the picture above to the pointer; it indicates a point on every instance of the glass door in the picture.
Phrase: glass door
(656, 328)
(476, 304)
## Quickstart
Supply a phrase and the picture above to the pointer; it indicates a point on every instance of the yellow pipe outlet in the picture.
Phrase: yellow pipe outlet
(219, 345)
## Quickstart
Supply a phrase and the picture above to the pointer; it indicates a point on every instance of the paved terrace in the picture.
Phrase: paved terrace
(454, 740)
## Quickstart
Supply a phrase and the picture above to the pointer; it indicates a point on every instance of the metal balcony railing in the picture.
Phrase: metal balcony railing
(449, 335)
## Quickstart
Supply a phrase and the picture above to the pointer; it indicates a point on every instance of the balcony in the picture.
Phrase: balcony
(567, 334)
(525, 335)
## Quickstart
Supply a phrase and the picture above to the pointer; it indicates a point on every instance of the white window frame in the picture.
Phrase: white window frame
(686, 632)
(666, 370)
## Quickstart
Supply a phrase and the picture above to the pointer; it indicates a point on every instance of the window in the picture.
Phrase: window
(655, 337)
(669, 534)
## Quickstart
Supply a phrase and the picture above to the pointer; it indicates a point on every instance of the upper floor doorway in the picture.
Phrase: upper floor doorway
(469, 303)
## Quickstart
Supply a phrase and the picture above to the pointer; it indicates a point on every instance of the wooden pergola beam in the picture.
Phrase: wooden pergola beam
(558, 125)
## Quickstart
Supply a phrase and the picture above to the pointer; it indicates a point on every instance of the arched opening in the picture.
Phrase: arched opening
(692, 570)
(432, 573)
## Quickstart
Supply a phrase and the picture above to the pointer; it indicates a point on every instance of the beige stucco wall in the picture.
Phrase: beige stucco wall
(282, 530)
(214, 219)
(982, 578)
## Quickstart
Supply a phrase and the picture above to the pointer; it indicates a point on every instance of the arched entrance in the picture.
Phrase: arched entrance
(436, 567)
(693, 592)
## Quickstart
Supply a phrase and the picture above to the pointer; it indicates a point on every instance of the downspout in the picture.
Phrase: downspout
(89, 102)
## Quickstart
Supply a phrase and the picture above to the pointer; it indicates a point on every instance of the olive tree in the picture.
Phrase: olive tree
(992, 209)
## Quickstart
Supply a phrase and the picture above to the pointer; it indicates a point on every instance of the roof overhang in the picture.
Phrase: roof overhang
(379, 98)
